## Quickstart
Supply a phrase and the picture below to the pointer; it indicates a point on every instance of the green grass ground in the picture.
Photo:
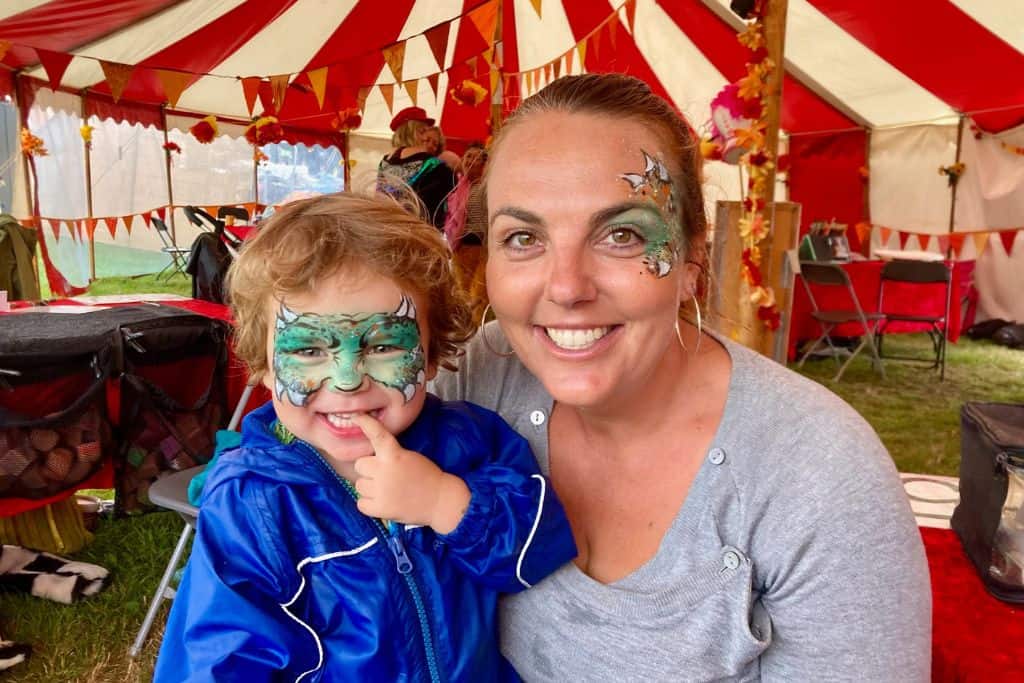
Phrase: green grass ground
(915, 414)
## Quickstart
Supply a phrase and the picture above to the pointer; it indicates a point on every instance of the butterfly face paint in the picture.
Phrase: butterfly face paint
(662, 228)
(338, 351)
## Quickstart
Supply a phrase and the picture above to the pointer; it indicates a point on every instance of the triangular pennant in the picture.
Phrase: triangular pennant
(55, 227)
(437, 38)
(318, 81)
(494, 80)
(536, 7)
(117, 77)
(251, 88)
(884, 233)
(595, 41)
(394, 55)
(980, 242)
(251, 208)
(212, 209)
(412, 87)
(128, 220)
(956, 240)
(630, 15)
(471, 63)
(148, 219)
(80, 230)
(364, 92)
(5, 45)
(71, 229)
(1007, 237)
(488, 56)
(943, 241)
(485, 19)
(279, 88)
(55, 64)
(162, 212)
(90, 227)
(432, 80)
(387, 91)
(174, 83)
(548, 72)
(568, 61)
(613, 31)
(111, 222)
(581, 47)
(903, 237)
(558, 68)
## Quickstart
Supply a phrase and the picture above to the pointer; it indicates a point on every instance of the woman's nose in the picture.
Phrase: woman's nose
(570, 279)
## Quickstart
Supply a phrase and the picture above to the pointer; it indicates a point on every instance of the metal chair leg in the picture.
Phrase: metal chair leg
(163, 592)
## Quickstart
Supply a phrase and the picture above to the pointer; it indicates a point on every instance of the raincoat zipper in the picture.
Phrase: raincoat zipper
(393, 539)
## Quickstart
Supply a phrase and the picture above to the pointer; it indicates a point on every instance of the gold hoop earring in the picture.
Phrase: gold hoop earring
(700, 328)
(483, 336)
(679, 336)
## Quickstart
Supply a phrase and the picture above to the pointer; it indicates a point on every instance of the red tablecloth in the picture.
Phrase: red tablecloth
(242, 232)
(975, 637)
(866, 279)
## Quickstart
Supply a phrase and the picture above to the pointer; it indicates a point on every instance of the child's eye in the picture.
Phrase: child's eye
(309, 352)
(382, 348)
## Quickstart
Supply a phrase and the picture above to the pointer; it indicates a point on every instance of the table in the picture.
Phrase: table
(866, 279)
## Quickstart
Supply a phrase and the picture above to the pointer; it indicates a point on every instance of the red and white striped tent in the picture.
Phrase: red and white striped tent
(873, 94)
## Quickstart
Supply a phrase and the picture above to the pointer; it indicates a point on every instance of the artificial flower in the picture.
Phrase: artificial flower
(469, 93)
(205, 130)
(31, 145)
(953, 172)
(347, 119)
(751, 87)
(263, 131)
(86, 132)
(172, 147)
(710, 150)
(258, 156)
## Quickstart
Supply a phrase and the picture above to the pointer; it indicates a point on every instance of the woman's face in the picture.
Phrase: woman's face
(585, 265)
(431, 140)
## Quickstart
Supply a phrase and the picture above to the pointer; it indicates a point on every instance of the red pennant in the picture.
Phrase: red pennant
(111, 222)
(613, 31)
(957, 242)
(90, 227)
(432, 79)
(1007, 237)
(128, 222)
(162, 212)
(631, 15)
(55, 227)
(903, 237)
(943, 243)
(437, 38)
(117, 77)
(80, 230)
(251, 88)
(148, 219)
(55, 64)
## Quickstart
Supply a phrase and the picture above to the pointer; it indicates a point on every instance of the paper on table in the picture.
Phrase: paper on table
(127, 298)
(59, 309)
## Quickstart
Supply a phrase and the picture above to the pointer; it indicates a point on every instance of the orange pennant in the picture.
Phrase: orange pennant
(90, 227)
(863, 231)
(548, 71)
(364, 92)
(631, 15)
(387, 91)
(595, 41)
(117, 76)
(488, 56)
(174, 83)
(437, 38)
(279, 88)
(55, 64)
(5, 45)
(394, 55)
(536, 7)
(980, 242)
(432, 79)
(251, 88)
(412, 87)
(318, 80)
(568, 61)
(71, 229)
(581, 47)
(558, 68)
(251, 208)
(494, 81)
(485, 19)
(212, 209)
(1007, 237)
(885, 234)
(128, 220)
(111, 222)
(55, 227)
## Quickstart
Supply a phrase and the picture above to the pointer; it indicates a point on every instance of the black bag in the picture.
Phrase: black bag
(990, 516)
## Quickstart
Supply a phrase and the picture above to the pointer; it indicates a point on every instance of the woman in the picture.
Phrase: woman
(414, 163)
(734, 520)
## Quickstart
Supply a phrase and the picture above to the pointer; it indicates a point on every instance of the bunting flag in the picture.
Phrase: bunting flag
(630, 15)
(595, 41)
(1007, 237)
(903, 237)
(412, 87)
(980, 242)
(212, 209)
(488, 56)
(251, 88)
(558, 68)
(494, 81)
(943, 241)
(548, 71)
(568, 61)
(251, 208)
(318, 81)
(957, 242)
(437, 38)
(162, 213)
(884, 233)
(361, 96)
(394, 56)
(90, 227)
(80, 229)
(613, 31)
(111, 222)
(863, 231)
(55, 227)
(536, 7)
(55, 64)
(5, 45)
(147, 218)
(117, 77)
(128, 222)
(71, 229)
(173, 83)
(485, 19)
(279, 88)
(432, 79)
(581, 47)
(387, 91)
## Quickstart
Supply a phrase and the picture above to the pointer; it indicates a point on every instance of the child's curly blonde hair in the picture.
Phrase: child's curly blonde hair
(310, 240)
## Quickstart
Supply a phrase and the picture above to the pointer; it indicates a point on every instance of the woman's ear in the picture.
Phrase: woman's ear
(431, 371)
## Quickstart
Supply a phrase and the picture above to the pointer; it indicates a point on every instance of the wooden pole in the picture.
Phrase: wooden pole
(775, 38)
(87, 148)
(28, 173)
(498, 96)
(167, 169)
(346, 166)
(956, 183)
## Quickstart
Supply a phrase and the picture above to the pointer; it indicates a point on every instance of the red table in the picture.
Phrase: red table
(866, 279)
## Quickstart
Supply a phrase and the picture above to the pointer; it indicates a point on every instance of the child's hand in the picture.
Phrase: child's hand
(404, 485)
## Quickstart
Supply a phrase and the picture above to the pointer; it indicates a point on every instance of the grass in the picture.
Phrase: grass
(915, 414)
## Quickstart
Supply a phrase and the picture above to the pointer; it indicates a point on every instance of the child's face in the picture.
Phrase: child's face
(357, 344)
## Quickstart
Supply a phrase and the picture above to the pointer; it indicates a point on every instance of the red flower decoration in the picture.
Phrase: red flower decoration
(172, 147)
(264, 131)
(347, 119)
(205, 130)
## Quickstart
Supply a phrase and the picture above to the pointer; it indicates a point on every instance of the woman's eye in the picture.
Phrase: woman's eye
(521, 240)
(623, 237)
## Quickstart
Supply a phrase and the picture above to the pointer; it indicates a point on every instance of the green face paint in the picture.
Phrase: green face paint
(338, 350)
(655, 185)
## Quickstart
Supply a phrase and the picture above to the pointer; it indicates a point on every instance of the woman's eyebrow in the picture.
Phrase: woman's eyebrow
(517, 213)
(604, 215)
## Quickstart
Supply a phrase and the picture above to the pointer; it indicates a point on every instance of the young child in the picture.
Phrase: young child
(364, 529)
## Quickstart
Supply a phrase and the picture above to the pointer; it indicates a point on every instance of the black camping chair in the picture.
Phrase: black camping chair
(917, 273)
(179, 255)
(832, 275)
(239, 213)
(207, 223)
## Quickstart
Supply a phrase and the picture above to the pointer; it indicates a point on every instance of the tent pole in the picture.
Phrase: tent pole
(88, 192)
(167, 170)
(345, 169)
(28, 172)
(498, 96)
(255, 179)
(952, 195)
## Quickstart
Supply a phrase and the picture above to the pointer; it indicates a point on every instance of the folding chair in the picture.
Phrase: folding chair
(171, 493)
(915, 274)
(179, 255)
(237, 212)
(832, 275)
(207, 223)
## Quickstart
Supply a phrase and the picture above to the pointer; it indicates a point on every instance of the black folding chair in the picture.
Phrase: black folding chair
(179, 255)
(239, 213)
(831, 275)
(918, 273)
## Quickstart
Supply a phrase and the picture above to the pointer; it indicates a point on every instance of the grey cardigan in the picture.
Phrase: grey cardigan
(795, 556)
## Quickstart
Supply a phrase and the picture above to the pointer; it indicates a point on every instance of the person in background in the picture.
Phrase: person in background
(434, 141)
(464, 228)
(414, 164)
(735, 521)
